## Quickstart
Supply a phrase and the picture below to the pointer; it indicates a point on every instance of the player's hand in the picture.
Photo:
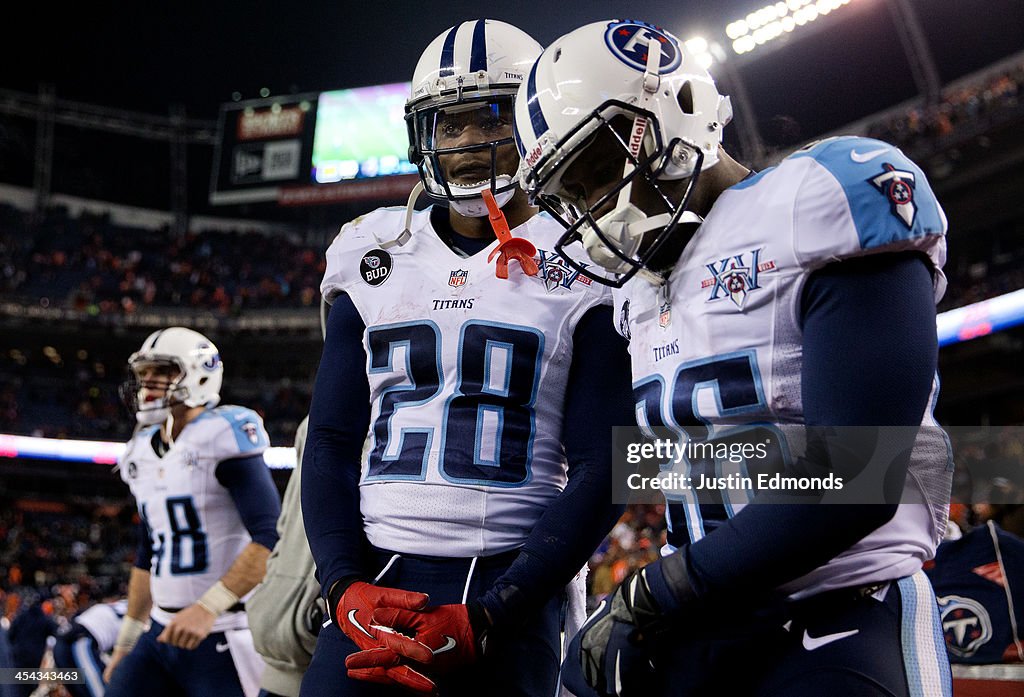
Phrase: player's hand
(188, 628)
(115, 658)
(385, 667)
(611, 654)
(442, 637)
(354, 615)
(354, 612)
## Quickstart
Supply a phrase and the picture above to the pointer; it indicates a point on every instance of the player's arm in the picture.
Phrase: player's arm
(140, 602)
(869, 357)
(598, 398)
(877, 314)
(255, 496)
(339, 419)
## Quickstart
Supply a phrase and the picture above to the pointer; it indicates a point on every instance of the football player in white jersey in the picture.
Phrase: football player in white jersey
(761, 308)
(456, 475)
(86, 645)
(208, 509)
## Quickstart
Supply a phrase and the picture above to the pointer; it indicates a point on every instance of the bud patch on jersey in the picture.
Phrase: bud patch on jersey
(375, 267)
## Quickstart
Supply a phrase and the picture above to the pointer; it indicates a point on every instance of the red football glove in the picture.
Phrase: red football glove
(384, 666)
(354, 614)
(442, 636)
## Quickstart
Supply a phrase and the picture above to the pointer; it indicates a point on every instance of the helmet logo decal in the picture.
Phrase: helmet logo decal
(627, 40)
(213, 361)
(375, 267)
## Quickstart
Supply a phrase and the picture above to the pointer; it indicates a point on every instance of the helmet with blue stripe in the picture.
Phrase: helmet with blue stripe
(460, 112)
(608, 106)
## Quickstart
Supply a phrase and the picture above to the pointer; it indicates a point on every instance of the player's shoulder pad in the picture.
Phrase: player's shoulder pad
(237, 432)
(886, 196)
(357, 241)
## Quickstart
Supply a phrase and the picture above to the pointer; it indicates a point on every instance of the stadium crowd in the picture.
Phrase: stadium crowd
(91, 264)
(963, 110)
(52, 395)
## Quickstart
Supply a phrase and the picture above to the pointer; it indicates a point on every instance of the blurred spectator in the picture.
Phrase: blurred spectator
(634, 542)
(92, 265)
(962, 112)
(28, 634)
(6, 658)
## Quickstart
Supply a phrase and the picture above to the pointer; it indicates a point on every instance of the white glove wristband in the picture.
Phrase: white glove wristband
(217, 600)
(129, 633)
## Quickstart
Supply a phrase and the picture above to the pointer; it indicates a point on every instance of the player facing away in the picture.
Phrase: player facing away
(456, 474)
(208, 508)
(86, 645)
(790, 300)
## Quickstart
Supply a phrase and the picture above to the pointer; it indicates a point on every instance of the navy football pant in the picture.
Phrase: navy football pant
(523, 663)
(78, 650)
(154, 669)
(839, 644)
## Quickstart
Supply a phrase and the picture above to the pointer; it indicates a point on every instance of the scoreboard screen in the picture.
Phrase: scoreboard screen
(318, 148)
(361, 133)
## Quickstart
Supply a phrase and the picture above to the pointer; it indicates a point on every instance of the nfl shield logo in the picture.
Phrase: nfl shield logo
(458, 278)
(665, 316)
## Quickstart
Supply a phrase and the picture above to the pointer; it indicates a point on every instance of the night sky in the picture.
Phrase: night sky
(146, 56)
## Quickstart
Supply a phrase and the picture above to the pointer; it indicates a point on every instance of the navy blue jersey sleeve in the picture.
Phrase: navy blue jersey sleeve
(255, 496)
(143, 546)
(598, 398)
(339, 418)
(869, 358)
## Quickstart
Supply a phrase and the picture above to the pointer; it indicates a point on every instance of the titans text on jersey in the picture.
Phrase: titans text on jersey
(467, 378)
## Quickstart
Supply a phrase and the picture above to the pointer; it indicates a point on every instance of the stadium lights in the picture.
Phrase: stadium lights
(773, 21)
(706, 52)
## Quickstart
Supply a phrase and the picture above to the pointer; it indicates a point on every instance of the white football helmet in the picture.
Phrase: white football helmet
(470, 73)
(195, 373)
(634, 90)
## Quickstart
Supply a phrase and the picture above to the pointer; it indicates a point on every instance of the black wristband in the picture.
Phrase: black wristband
(677, 577)
(480, 623)
(335, 592)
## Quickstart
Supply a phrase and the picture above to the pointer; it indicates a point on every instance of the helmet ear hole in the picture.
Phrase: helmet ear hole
(685, 98)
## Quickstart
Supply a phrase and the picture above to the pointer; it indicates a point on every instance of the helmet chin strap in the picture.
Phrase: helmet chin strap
(626, 225)
(476, 207)
(624, 228)
(149, 417)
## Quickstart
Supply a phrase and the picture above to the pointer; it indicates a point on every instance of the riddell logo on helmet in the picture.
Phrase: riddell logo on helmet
(534, 155)
(637, 136)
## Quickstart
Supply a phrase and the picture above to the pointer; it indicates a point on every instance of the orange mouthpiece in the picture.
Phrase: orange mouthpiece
(509, 247)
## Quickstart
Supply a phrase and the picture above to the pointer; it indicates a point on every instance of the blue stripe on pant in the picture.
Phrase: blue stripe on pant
(521, 663)
(79, 651)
